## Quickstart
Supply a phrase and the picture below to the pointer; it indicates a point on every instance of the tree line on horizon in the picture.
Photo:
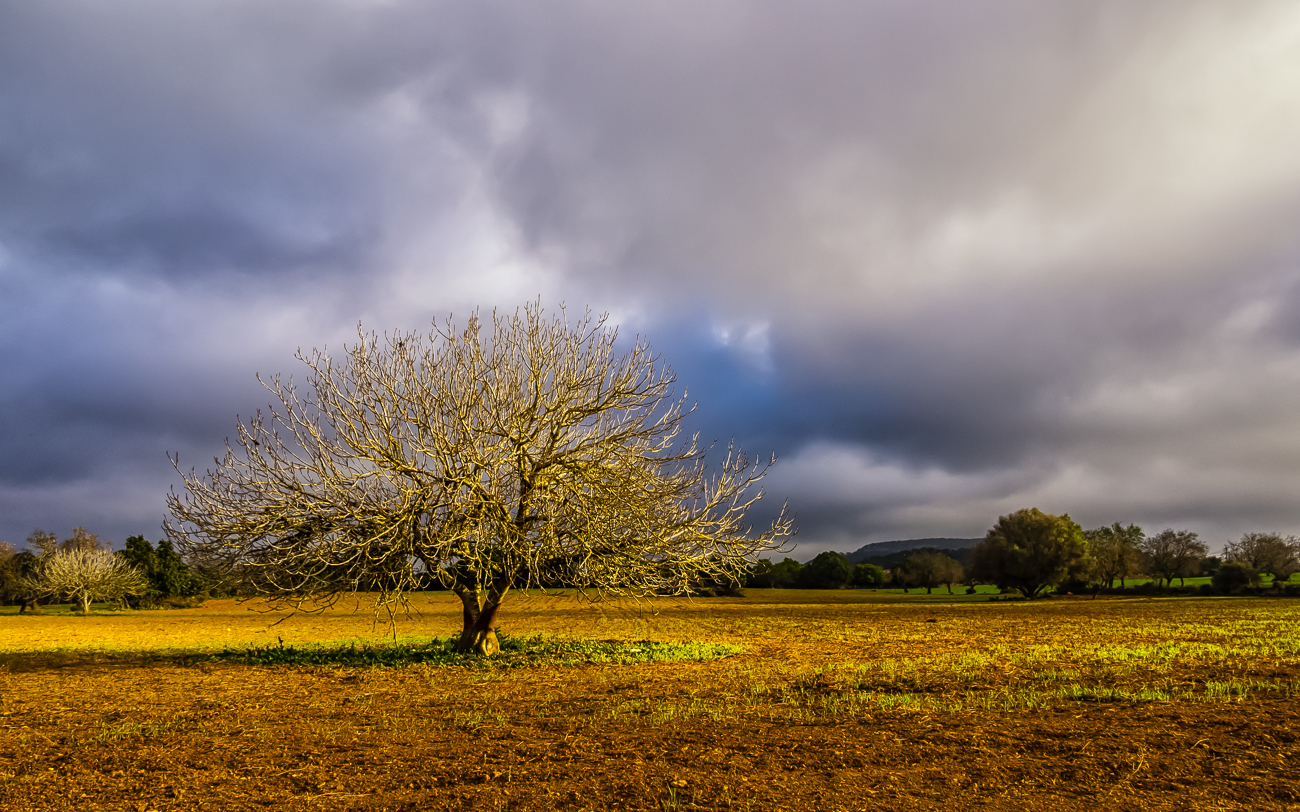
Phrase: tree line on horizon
(1031, 553)
(1027, 552)
(520, 450)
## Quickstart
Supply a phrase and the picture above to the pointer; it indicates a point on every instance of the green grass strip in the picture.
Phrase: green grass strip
(516, 652)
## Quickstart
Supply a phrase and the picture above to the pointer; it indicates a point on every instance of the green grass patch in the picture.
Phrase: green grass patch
(515, 652)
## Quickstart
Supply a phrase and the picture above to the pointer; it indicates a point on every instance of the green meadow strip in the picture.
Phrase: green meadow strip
(515, 652)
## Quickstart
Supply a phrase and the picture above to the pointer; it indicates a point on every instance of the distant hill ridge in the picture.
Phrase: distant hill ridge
(884, 548)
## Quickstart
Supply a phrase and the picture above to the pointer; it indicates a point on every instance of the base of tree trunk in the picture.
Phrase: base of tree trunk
(478, 633)
(478, 641)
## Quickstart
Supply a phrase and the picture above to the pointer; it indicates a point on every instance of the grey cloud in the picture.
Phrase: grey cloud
(945, 259)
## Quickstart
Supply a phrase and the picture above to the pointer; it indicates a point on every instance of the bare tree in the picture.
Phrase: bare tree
(525, 454)
(88, 575)
(1116, 552)
(1267, 553)
(44, 544)
(1173, 554)
(81, 539)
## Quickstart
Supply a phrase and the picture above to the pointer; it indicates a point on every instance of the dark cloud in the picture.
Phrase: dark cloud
(947, 260)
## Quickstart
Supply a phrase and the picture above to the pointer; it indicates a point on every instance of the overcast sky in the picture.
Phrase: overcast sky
(946, 259)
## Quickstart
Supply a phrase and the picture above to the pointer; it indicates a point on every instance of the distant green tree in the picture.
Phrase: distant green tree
(1173, 554)
(1031, 551)
(930, 569)
(16, 582)
(829, 570)
(1231, 576)
(164, 571)
(787, 572)
(41, 545)
(15, 568)
(1267, 554)
(1116, 552)
(760, 574)
(784, 575)
(870, 576)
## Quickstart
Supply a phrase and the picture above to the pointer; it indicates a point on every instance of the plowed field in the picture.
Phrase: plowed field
(839, 701)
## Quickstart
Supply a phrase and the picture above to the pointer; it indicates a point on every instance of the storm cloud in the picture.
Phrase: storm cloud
(947, 260)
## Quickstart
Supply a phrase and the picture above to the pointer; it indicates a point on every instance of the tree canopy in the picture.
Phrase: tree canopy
(164, 572)
(1173, 554)
(1267, 553)
(868, 575)
(523, 451)
(1031, 551)
(1233, 575)
(782, 574)
(16, 571)
(931, 568)
(1116, 552)
(828, 570)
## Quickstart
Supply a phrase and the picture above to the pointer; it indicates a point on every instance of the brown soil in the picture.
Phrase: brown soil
(87, 732)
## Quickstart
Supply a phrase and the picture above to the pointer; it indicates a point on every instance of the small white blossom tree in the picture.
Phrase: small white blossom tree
(88, 575)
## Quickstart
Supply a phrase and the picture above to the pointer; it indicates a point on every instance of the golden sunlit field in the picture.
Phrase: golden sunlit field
(838, 700)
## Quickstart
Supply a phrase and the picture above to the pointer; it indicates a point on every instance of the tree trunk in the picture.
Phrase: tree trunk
(478, 630)
(83, 598)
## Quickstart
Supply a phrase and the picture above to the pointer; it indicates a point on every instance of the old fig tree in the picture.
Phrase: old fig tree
(520, 450)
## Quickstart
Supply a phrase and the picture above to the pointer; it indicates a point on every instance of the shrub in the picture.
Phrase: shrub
(16, 573)
(765, 574)
(868, 575)
(1267, 554)
(1233, 576)
(829, 570)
